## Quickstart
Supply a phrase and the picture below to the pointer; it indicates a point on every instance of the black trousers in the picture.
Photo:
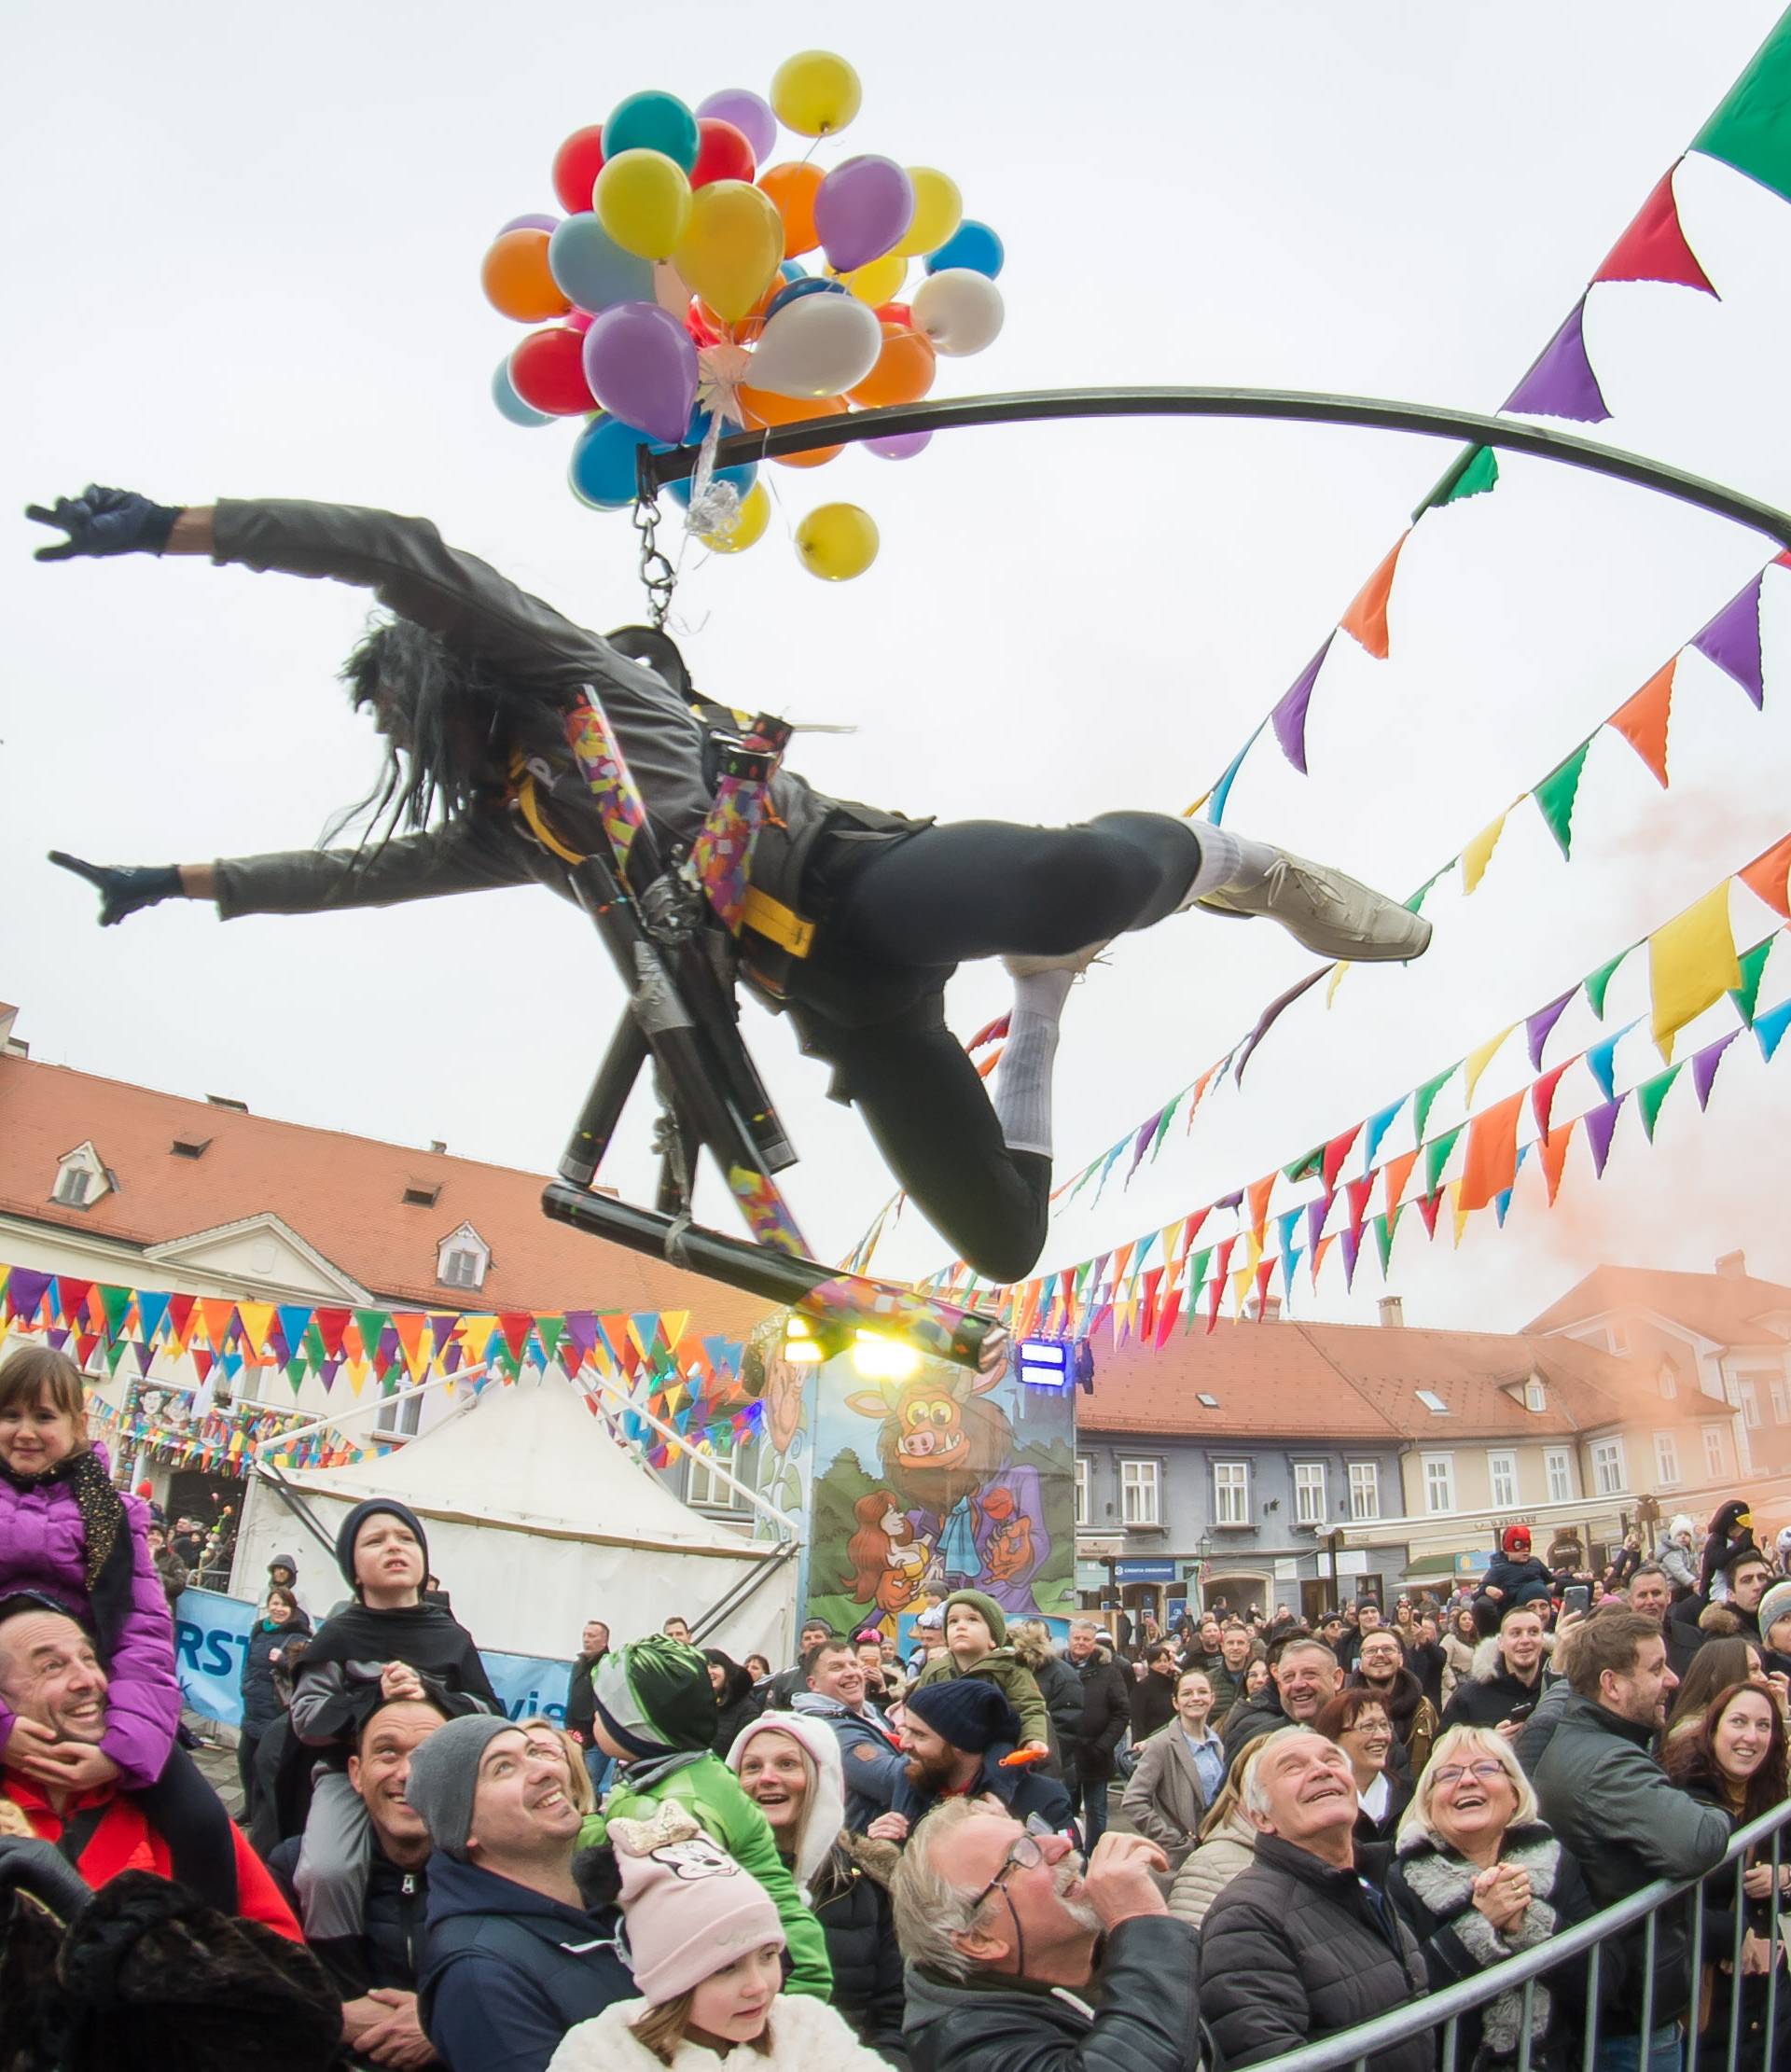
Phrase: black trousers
(970, 889)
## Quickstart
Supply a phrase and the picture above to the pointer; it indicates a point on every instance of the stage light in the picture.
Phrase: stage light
(883, 1359)
(1046, 1362)
(800, 1347)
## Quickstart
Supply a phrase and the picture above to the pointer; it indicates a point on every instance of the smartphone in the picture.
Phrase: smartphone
(1576, 1597)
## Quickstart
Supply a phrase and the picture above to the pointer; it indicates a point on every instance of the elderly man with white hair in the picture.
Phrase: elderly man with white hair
(1304, 1943)
(999, 1925)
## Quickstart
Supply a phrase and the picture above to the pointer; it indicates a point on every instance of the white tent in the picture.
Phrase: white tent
(537, 1521)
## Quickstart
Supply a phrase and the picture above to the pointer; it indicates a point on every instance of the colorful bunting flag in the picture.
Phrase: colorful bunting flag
(1555, 796)
(1365, 620)
(1691, 965)
(1642, 720)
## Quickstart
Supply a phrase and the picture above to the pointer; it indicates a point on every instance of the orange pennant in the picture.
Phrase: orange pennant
(1260, 1192)
(1765, 876)
(1492, 1162)
(1643, 720)
(1399, 1173)
(1552, 1150)
(216, 1316)
(1366, 619)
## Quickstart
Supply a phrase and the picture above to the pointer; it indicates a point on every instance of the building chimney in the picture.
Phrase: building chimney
(437, 1146)
(1271, 1308)
(1732, 1266)
(1393, 1311)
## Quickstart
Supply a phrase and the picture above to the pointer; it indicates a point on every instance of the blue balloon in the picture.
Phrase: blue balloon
(793, 270)
(796, 289)
(592, 269)
(653, 121)
(971, 245)
(509, 404)
(603, 468)
(742, 476)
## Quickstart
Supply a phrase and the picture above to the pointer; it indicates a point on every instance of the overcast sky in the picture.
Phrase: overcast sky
(245, 252)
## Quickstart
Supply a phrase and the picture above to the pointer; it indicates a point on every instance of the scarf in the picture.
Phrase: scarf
(1444, 1883)
(103, 1519)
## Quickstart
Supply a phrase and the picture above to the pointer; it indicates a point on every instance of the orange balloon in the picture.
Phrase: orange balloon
(763, 406)
(515, 279)
(903, 373)
(793, 188)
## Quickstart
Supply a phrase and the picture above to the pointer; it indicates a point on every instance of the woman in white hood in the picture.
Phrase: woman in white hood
(1676, 1553)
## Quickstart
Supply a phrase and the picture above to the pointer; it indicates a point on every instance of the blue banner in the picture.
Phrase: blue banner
(211, 1644)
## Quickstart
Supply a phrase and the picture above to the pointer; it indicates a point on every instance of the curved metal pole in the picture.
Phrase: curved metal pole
(1289, 405)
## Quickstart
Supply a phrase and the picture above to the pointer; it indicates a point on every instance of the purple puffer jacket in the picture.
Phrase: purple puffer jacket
(43, 1544)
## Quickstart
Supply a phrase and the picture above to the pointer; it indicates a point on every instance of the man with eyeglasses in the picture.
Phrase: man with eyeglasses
(999, 1924)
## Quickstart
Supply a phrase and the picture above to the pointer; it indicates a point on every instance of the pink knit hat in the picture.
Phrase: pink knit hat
(688, 1909)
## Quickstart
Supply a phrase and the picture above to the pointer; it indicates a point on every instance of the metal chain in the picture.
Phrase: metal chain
(659, 579)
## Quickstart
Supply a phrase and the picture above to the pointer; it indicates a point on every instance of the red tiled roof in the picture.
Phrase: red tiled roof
(1724, 1308)
(341, 1194)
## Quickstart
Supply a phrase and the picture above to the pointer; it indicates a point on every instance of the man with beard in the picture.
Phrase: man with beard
(1381, 1667)
(1207, 1649)
(1236, 1650)
(1508, 1676)
(955, 1736)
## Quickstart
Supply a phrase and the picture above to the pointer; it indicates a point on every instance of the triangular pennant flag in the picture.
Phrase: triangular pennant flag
(1769, 1028)
(1765, 877)
(1654, 247)
(25, 1291)
(1190, 1228)
(1399, 1173)
(332, 1325)
(1492, 1162)
(1319, 1251)
(1642, 720)
(1336, 1151)
(1732, 641)
(1748, 129)
(217, 1318)
(257, 1320)
(1357, 1194)
(1286, 1226)
(1552, 1150)
(1752, 969)
(1166, 1323)
(1542, 1096)
(1473, 475)
(1540, 1026)
(1259, 1191)
(1598, 983)
(1422, 1099)
(1288, 718)
(182, 1314)
(1601, 1061)
(475, 1335)
(1652, 1093)
(1704, 1063)
(1338, 969)
(1383, 1242)
(1376, 1128)
(71, 1299)
(1601, 1126)
(116, 1304)
(1366, 619)
(515, 1325)
(1459, 1215)
(1478, 1059)
(1437, 1155)
(1691, 965)
(1316, 1213)
(409, 1324)
(1427, 1207)
(152, 1310)
(1555, 797)
(1560, 383)
(1350, 1244)
(1221, 793)
(1416, 903)
(1478, 854)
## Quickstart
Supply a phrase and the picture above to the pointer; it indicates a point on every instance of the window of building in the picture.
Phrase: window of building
(463, 1260)
(1713, 1449)
(1618, 1337)
(1607, 1465)
(1439, 1481)
(1365, 1488)
(74, 1183)
(1308, 1491)
(1750, 1399)
(399, 1419)
(1432, 1401)
(1777, 1392)
(702, 1486)
(1669, 1379)
(1666, 1459)
(1502, 1473)
(1232, 1492)
(1558, 1466)
(1083, 1492)
(1535, 1397)
(1140, 1492)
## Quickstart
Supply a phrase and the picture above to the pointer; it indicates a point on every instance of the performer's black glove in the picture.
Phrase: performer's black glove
(39, 1868)
(123, 889)
(105, 521)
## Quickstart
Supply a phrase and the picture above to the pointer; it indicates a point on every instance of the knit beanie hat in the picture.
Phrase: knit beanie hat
(1775, 1604)
(688, 1908)
(654, 1696)
(358, 1517)
(965, 1711)
(444, 1775)
(824, 1808)
(1516, 1540)
(986, 1609)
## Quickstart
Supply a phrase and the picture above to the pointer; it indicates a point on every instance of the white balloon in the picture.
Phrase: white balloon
(817, 345)
(960, 312)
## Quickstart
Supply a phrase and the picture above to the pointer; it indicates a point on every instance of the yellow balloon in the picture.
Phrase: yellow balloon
(749, 524)
(836, 541)
(939, 209)
(878, 280)
(732, 246)
(643, 200)
(815, 93)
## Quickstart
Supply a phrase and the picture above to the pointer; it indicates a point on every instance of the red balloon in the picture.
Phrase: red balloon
(895, 313)
(575, 166)
(700, 328)
(548, 372)
(722, 153)
(578, 320)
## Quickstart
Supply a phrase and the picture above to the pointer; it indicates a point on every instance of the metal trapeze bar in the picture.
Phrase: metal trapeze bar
(1293, 406)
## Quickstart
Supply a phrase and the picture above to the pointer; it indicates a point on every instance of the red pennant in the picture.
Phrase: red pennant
(84, 1345)
(1263, 1275)
(73, 1295)
(1191, 1226)
(1147, 1315)
(1765, 876)
(516, 1325)
(1552, 1151)
(180, 1314)
(1654, 247)
(1166, 1323)
(1336, 1151)
(1215, 1288)
(1427, 1207)
(1358, 1195)
(1643, 720)
(330, 1324)
(1542, 1096)
(1366, 619)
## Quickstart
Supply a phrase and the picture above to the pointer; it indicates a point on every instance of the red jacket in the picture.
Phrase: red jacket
(124, 1841)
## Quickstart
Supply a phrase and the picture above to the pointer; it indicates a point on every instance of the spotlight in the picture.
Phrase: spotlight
(883, 1359)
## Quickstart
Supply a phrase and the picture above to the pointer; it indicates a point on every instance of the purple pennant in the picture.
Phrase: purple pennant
(331, 1368)
(1315, 1213)
(1229, 1201)
(1704, 1063)
(1732, 641)
(441, 1328)
(1601, 1126)
(146, 1355)
(25, 1292)
(1562, 382)
(1142, 1144)
(388, 1345)
(1289, 717)
(58, 1337)
(581, 1329)
(1540, 1026)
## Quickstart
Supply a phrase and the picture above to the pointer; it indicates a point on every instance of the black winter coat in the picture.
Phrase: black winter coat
(852, 1905)
(1294, 1949)
(1062, 1690)
(1106, 1713)
(1153, 1703)
(261, 1705)
(1485, 1701)
(388, 1952)
(581, 1697)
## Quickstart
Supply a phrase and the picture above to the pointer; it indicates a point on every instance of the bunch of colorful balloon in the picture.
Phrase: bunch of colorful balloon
(676, 308)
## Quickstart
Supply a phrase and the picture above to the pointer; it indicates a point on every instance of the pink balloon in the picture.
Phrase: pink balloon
(641, 368)
(861, 208)
(748, 113)
(530, 223)
(899, 446)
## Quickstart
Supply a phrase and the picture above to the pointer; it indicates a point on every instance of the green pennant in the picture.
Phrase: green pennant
(296, 1373)
(550, 1331)
(1308, 1167)
(116, 1302)
(115, 1352)
(1437, 1157)
(1425, 1094)
(1384, 1241)
(1753, 970)
(1415, 904)
(1194, 1280)
(1748, 130)
(370, 1323)
(1652, 1093)
(1556, 793)
(1599, 983)
(1162, 1124)
(498, 1352)
(1475, 474)
(313, 1346)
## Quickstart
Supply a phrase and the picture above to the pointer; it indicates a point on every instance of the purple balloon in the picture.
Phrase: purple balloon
(861, 208)
(748, 113)
(530, 223)
(900, 446)
(641, 368)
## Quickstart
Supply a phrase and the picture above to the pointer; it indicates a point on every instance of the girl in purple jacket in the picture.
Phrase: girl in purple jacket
(67, 1535)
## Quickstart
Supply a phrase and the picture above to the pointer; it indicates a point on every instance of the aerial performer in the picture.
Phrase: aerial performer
(468, 682)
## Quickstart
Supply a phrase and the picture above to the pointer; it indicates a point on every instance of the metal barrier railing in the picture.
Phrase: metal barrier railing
(1442, 2013)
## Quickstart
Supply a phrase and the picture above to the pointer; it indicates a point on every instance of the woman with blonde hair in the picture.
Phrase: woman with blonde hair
(1477, 1877)
(1227, 1844)
(549, 1734)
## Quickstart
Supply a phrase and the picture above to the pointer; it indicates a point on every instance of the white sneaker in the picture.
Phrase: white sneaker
(1071, 959)
(1334, 915)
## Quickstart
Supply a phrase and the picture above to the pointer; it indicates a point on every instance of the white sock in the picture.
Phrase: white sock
(1023, 1090)
(1227, 860)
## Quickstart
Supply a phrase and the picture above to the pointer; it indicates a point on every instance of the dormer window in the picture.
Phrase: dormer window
(81, 1179)
(1668, 1379)
(463, 1260)
(190, 1146)
(1432, 1401)
(418, 1197)
(1536, 1398)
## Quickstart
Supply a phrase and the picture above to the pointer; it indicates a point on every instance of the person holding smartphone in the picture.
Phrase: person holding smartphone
(1507, 1678)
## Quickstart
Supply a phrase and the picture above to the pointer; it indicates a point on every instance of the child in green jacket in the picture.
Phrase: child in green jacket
(976, 1645)
(654, 1711)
